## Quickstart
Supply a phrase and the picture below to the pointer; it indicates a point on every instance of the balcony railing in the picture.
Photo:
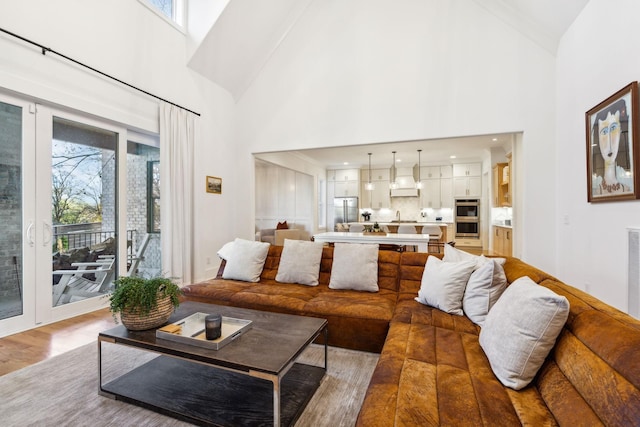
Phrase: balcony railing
(67, 238)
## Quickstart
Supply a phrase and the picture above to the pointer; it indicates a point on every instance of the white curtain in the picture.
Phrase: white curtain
(177, 129)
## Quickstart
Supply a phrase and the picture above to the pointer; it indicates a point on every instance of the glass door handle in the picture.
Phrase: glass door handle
(46, 237)
(30, 234)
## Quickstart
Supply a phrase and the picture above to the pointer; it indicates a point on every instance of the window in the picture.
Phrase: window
(153, 196)
(322, 203)
(171, 10)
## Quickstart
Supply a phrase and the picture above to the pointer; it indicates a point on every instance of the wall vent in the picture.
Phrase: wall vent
(633, 278)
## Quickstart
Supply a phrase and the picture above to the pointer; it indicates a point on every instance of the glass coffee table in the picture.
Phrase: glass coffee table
(253, 380)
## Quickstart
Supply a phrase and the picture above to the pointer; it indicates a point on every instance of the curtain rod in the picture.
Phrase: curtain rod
(45, 49)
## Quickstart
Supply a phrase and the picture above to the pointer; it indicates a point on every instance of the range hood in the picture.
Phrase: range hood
(406, 182)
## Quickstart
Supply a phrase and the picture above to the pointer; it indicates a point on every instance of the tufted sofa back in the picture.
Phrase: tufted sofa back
(388, 264)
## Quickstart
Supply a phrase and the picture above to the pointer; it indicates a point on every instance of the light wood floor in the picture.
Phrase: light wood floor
(26, 348)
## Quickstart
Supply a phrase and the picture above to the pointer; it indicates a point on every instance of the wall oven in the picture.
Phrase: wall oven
(467, 218)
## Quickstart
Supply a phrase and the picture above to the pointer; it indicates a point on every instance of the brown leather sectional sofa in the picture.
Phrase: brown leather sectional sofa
(432, 370)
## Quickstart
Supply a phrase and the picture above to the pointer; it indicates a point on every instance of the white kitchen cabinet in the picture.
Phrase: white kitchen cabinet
(365, 197)
(343, 175)
(376, 175)
(436, 193)
(378, 198)
(430, 194)
(467, 169)
(380, 194)
(435, 172)
(346, 182)
(430, 172)
(437, 190)
(347, 188)
(467, 186)
(446, 193)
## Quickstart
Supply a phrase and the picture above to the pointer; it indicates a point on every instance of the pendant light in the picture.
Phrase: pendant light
(393, 185)
(419, 182)
(369, 185)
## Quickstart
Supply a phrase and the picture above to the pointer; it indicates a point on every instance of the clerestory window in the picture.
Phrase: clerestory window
(171, 10)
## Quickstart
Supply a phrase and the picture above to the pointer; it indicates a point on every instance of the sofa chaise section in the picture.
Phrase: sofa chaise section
(433, 371)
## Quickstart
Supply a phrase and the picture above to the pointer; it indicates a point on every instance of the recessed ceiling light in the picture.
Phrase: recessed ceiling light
(345, 163)
(494, 139)
(452, 157)
(398, 161)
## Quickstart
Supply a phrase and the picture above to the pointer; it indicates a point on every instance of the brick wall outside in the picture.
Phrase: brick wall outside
(137, 209)
(136, 187)
(10, 201)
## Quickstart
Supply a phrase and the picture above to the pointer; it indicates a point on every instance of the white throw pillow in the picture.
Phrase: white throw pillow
(226, 251)
(245, 260)
(355, 266)
(484, 287)
(300, 262)
(452, 254)
(443, 284)
(521, 329)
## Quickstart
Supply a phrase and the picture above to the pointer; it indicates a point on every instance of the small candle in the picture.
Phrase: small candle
(213, 326)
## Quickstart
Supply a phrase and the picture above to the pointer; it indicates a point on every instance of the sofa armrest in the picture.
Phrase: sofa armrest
(291, 234)
(267, 235)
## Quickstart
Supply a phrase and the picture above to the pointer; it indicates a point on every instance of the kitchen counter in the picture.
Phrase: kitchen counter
(497, 224)
(393, 226)
(414, 223)
(419, 240)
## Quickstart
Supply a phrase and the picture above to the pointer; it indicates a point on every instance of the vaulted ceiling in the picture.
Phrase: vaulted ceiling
(247, 32)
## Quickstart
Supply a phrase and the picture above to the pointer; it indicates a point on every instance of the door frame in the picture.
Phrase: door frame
(45, 313)
(37, 134)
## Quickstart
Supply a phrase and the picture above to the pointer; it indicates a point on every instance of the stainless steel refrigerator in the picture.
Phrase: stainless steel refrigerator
(345, 209)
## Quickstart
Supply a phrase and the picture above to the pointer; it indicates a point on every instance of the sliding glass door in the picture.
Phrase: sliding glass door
(83, 210)
(61, 243)
(17, 214)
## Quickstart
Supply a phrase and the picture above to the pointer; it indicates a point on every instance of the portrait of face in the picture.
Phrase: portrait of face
(611, 131)
(609, 137)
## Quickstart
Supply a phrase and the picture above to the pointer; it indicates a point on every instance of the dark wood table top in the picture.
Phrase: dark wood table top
(273, 342)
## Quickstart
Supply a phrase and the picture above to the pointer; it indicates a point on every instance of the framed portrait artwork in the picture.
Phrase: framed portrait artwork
(612, 147)
(214, 185)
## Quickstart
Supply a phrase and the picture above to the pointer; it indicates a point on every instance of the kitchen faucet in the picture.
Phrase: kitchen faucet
(398, 215)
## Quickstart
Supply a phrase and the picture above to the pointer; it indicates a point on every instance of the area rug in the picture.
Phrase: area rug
(63, 391)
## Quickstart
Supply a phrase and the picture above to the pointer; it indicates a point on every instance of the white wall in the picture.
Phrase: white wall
(596, 58)
(123, 38)
(284, 194)
(364, 71)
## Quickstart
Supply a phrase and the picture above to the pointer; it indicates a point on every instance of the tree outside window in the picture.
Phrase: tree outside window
(172, 10)
(164, 6)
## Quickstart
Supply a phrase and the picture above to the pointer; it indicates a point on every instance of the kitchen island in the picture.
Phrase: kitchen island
(393, 227)
(421, 241)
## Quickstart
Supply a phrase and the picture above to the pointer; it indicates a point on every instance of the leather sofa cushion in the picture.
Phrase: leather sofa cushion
(434, 376)
(408, 310)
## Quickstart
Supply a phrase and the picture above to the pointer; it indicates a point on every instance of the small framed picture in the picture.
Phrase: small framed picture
(612, 147)
(214, 185)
